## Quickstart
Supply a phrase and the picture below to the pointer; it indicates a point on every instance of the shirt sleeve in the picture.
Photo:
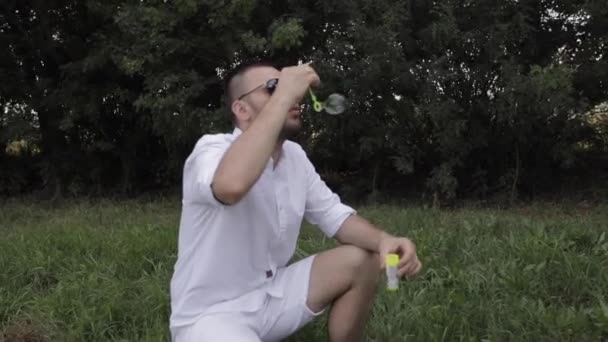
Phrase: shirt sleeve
(199, 170)
(323, 207)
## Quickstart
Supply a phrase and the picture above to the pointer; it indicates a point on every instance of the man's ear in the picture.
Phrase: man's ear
(241, 110)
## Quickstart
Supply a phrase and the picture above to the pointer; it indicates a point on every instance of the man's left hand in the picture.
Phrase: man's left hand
(409, 264)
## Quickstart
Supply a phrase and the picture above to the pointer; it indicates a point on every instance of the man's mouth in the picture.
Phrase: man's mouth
(295, 110)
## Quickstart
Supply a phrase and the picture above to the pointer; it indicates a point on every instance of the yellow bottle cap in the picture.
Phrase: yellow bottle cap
(392, 259)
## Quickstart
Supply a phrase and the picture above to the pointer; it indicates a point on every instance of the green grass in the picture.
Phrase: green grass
(99, 271)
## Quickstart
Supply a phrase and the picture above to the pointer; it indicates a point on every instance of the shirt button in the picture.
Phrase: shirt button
(268, 273)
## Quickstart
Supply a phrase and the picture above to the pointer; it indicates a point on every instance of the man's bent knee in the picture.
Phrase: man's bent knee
(336, 271)
(361, 261)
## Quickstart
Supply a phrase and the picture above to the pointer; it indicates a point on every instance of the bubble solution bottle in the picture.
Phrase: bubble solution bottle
(392, 281)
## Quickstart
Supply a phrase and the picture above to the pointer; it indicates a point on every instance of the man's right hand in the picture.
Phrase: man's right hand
(295, 81)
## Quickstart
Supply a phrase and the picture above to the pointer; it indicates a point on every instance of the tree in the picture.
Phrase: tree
(450, 99)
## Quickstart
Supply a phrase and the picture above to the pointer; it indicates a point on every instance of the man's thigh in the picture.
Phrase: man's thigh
(284, 316)
(237, 327)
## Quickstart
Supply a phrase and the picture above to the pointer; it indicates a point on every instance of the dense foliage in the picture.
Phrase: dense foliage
(450, 99)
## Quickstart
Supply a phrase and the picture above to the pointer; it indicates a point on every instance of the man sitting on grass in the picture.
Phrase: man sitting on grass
(245, 195)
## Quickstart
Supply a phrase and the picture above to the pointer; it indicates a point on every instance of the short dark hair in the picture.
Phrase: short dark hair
(239, 70)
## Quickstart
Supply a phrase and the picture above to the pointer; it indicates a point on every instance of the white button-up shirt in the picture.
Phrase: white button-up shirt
(227, 254)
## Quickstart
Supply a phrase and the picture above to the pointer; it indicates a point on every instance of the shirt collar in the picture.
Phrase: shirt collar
(236, 132)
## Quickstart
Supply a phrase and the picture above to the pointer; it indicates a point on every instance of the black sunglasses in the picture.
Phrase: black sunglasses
(270, 86)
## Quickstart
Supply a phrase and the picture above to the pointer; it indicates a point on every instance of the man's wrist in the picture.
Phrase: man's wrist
(383, 236)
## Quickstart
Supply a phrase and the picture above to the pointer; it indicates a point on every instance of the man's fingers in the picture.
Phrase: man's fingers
(406, 268)
(411, 268)
(314, 78)
(418, 267)
(408, 253)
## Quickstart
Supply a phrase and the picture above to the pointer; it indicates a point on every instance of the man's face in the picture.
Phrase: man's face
(256, 100)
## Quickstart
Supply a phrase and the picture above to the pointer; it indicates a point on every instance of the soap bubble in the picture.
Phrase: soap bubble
(335, 104)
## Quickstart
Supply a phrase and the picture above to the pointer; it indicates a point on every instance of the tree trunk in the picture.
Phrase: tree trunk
(52, 145)
(514, 196)
(374, 194)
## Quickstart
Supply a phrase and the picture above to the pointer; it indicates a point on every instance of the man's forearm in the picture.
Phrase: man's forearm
(246, 158)
(359, 232)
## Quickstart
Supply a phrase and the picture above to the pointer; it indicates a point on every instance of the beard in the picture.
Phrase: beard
(290, 129)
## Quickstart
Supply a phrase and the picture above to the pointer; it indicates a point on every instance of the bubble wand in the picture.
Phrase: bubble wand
(333, 105)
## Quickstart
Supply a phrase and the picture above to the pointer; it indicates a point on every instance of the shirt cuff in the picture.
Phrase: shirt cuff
(333, 223)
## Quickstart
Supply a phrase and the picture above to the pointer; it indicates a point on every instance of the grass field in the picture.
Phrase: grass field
(99, 271)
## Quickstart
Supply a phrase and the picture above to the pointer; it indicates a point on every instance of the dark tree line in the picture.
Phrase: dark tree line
(450, 99)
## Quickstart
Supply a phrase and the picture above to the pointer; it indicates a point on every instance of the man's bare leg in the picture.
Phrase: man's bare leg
(346, 278)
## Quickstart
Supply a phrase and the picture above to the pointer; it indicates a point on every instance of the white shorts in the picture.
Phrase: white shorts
(277, 319)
